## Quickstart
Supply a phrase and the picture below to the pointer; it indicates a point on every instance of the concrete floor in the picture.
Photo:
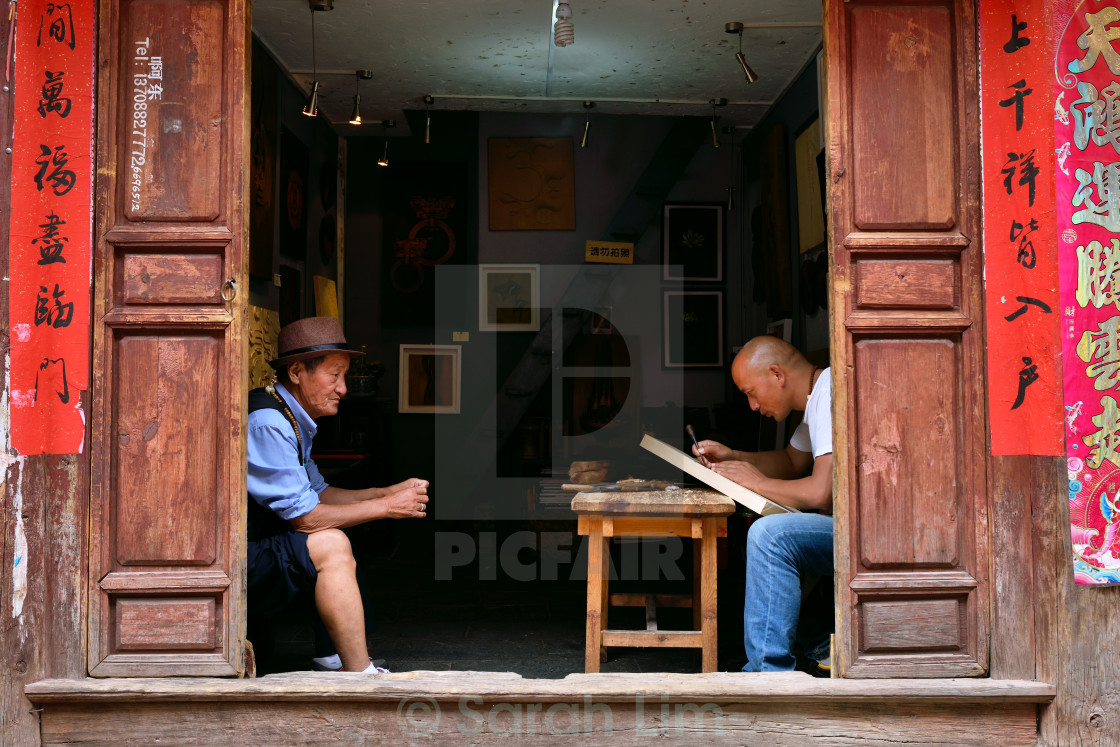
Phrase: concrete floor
(534, 628)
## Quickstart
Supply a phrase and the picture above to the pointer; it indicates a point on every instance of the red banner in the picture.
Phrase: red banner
(51, 224)
(1087, 143)
(1020, 257)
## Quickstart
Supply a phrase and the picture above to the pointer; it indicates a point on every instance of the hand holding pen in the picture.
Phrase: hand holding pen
(696, 446)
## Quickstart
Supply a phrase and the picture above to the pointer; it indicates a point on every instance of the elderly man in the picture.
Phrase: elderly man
(296, 544)
(782, 549)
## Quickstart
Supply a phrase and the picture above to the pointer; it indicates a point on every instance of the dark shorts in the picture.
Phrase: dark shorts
(279, 572)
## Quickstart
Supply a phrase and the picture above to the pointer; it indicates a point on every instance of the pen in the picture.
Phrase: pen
(699, 452)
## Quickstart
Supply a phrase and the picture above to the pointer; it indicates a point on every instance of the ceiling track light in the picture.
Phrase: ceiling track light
(428, 100)
(564, 32)
(588, 106)
(359, 76)
(716, 103)
(736, 27)
(312, 108)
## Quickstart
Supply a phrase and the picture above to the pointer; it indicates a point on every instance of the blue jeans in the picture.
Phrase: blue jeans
(781, 550)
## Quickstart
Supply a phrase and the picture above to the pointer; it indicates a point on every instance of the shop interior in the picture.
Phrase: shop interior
(546, 250)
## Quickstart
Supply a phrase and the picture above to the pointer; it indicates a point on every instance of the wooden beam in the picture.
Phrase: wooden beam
(581, 720)
(731, 687)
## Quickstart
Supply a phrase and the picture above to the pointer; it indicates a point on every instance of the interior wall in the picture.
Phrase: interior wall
(619, 149)
(793, 112)
(315, 136)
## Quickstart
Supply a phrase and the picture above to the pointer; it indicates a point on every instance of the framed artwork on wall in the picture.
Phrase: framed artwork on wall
(293, 196)
(692, 242)
(509, 298)
(531, 184)
(430, 379)
(692, 328)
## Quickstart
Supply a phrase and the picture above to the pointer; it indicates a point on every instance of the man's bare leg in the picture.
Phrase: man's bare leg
(337, 596)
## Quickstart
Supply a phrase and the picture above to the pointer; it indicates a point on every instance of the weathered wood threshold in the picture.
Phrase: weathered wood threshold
(313, 708)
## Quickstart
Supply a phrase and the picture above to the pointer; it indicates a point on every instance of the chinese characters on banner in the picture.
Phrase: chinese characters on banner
(51, 224)
(1020, 260)
(1087, 147)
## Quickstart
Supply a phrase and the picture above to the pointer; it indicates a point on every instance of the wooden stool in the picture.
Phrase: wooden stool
(699, 514)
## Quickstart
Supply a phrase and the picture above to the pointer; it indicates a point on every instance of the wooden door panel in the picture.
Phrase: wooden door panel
(902, 107)
(909, 507)
(905, 283)
(168, 464)
(907, 344)
(912, 625)
(168, 482)
(148, 277)
(185, 623)
(176, 138)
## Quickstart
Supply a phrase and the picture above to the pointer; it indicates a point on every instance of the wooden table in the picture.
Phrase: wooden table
(699, 514)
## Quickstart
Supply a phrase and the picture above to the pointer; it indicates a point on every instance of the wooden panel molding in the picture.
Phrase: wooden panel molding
(181, 138)
(905, 283)
(888, 625)
(163, 624)
(901, 62)
(160, 278)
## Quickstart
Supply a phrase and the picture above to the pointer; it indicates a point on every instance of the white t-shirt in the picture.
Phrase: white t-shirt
(815, 432)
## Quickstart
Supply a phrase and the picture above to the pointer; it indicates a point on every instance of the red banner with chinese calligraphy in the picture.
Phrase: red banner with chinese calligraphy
(51, 224)
(1087, 147)
(1020, 260)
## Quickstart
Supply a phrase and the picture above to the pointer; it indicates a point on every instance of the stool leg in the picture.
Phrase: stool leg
(595, 593)
(708, 572)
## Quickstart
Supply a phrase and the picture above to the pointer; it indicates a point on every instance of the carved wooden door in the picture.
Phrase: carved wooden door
(907, 338)
(168, 479)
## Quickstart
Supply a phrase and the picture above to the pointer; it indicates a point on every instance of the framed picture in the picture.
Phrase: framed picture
(430, 379)
(692, 242)
(601, 321)
(509, 298)
(692, 324)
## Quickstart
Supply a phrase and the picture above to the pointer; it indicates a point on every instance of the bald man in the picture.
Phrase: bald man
(783, 549)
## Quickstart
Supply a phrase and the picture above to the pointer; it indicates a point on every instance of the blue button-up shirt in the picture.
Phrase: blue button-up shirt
(276, 479)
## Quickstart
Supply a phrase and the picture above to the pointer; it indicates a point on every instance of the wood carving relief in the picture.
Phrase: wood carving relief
(264, 331)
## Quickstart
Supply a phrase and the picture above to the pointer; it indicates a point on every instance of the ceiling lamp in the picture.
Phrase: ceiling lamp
(735, 27)
(588, 105)
(312, 107)
(359, 76)
(565, 32)
(386, 124)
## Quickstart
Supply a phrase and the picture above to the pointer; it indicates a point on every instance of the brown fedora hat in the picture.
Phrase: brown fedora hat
(310, 338)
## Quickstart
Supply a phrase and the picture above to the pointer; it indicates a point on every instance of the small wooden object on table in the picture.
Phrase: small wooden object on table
(699, 514)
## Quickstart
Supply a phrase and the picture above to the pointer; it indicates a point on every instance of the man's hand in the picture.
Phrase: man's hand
(412, 482)
(714, 451)
(347, 508)
(743, 473)
(410, 503)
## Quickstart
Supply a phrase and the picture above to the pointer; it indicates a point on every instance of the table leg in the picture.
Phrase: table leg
(605, 597)
(595, 594)
(708, 572)
(697, 574)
